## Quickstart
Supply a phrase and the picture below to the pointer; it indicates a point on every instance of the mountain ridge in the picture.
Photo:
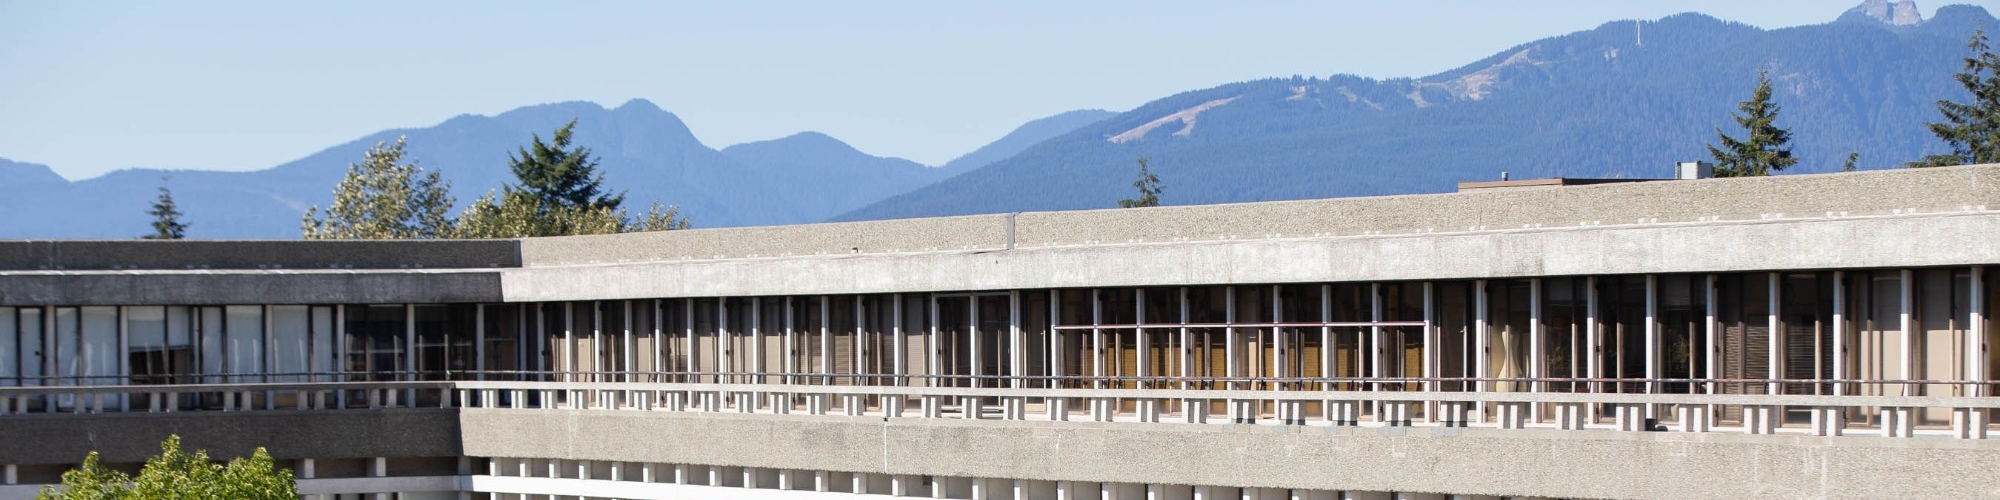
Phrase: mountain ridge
(1624, 99)
(647, 151)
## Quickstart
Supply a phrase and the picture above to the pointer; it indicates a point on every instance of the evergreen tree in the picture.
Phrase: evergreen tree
(174, 474)
(559, 176)
(558, 192)
(1762, 150)
(1848, 166)
(1972, 130)
(384, 198)
(167, 223)
(1149, 188)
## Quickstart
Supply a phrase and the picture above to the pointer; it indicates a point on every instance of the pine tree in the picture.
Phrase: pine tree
(1149, 188)
(1762, 150)
(559, 176)
(167, 223)
(558, 192)
(1972, 130)
(384, 198)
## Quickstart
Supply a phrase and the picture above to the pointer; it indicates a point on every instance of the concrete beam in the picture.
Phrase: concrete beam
(1547, 463)
(1921, 240)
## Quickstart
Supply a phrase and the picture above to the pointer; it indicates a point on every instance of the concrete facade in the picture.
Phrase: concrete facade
(1811, 336)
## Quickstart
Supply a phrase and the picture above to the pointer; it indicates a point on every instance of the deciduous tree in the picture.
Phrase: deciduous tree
(384, 197)
(174, 475)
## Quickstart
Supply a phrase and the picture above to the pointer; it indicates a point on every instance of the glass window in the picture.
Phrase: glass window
(208, 324)
(10, 347)
(29, 332)
(99, 354)
(68, 337)
(291, 334)
(323, 337)
(245, 330)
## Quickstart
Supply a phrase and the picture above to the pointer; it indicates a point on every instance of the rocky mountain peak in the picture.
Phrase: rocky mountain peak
(1897, 13)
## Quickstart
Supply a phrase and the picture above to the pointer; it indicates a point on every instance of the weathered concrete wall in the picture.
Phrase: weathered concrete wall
(132, 437)
(892, 236)
(1736, 199)
(1822, 243)
(1759, 198)
(89, 288)
(1562, 464)
(43, 255)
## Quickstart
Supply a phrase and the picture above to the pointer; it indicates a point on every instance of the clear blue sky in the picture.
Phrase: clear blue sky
(88, 87)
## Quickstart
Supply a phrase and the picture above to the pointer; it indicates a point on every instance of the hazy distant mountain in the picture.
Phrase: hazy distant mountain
(838, 178)
(17, 175)
(1626, 99)
(642, 149)
(1028, 134)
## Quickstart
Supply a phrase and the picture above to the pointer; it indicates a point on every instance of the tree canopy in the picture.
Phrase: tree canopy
(559, 176)
(177, 475)
(1972, 129)
(384, 197)
(1763, 149)
(558, 192)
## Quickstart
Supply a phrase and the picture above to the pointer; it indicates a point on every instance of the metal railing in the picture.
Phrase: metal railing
(1894, 408)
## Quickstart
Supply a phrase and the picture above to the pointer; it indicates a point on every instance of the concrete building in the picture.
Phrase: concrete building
(1806, 336)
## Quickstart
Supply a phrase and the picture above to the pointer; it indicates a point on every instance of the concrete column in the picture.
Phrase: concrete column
(1365, 495)
(895, 310)
(379, 467)
(1908, 328)
(1017, 352)
(1975, 334)
(1654, 345)
(1592, 343)
(1186, 355)
(680, 474)
(792, 353)
(724, 342)
(756, 343)
(1482, 353)
(648, 472)
(1839, 331)
(1229, 342)
(1432, 359)
(1376, 340)
(974, 359)
(1777, 326)
(826, 338)
(1536, 362)
(687, 337)
(1096, 342)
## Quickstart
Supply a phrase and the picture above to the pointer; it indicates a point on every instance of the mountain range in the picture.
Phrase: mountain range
(1626, 99)
(805, 177)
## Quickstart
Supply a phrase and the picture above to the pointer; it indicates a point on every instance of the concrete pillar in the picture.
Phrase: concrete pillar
(1420, 496)
(1654, 345)
(1975, 333)
(379, 467)
(680, 474)
(1482, 350)
(648, 472)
